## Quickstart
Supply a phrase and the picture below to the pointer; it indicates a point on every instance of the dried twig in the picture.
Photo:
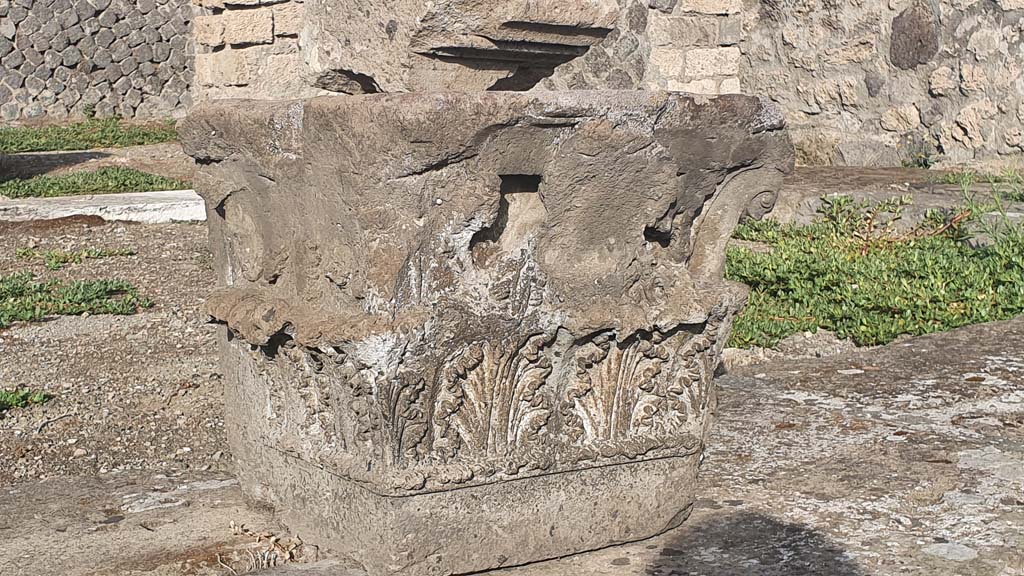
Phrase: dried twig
(46, 423)
(230, 569)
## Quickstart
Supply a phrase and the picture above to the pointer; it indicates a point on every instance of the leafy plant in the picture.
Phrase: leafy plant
(109, 180)
(85, 135)
(57, 259)
(21, 397)
(855, 273)
(23, 299)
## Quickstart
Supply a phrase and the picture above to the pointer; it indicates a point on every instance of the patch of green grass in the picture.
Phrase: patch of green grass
(85, 135)
(853, 273)
(21, 397)
(57, 259)
(110, 180)
(24, 299)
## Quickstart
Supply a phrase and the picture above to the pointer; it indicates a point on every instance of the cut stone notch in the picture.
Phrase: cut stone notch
(467, 331)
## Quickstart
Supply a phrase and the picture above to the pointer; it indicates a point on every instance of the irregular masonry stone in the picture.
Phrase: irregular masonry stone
(943, 81)
(288, 18)
(901, 119)
(666, 6)
(730, 30)
(973, 122)
(515, 351)
(707, 62)
(915, 36)
(209, 30)
(248, 26)
(973, 78)
(711, 6)
(684, 31)
(985, 43)
(224, 68)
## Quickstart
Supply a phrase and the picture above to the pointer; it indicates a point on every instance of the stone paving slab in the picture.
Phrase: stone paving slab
(905, 459)
(801, 195)
(144, 207)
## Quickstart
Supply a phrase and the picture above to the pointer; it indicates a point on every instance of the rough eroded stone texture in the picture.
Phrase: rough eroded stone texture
(470, 331)
(915, 37)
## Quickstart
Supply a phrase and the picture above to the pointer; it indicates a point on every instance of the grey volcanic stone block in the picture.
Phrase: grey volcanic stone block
(466, 331)
(915, 36)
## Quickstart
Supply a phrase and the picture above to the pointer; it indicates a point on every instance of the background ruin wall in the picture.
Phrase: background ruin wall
(250, 48)
(888, 83)
(862, 83)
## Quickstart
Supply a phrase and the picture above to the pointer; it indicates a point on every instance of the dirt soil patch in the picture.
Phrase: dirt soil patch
(130, 392)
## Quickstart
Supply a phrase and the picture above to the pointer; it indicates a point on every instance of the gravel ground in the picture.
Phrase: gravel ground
(130, 392)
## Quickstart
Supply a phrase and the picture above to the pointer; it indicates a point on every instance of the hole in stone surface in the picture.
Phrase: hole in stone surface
(660, 237)
(221, 209)
(660, 232)
(514, 183)
(275, 343)
(347, 82)
(520, 213)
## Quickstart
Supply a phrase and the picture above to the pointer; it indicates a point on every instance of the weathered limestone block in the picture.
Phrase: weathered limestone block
(360, 46)
(248, 26)
(224, 68)
(466, 331)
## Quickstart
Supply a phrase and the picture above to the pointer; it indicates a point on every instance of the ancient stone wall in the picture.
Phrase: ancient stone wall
(135, 59)
(680, 45)
(108, 57)
(891, 83)
(250, 49)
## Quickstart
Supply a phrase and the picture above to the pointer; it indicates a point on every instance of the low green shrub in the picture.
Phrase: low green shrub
(852, 272)
(109, 180)
(21, 397)
(24, 299)
(57, 259)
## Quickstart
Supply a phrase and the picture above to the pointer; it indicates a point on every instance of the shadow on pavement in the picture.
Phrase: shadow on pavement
(750, 544)
(35, 164)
